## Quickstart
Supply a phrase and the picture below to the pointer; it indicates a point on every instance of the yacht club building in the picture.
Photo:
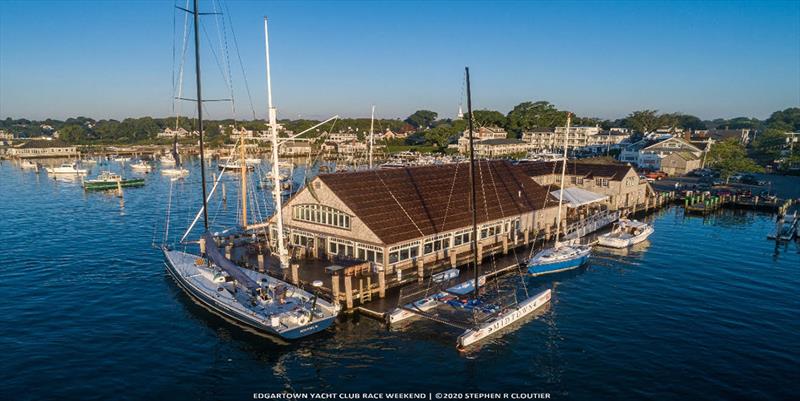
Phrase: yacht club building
(415, 220)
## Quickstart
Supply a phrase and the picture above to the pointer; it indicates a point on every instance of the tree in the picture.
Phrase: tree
(529, 115)
(439, 136)
(422, 118)
(768, 145)
(730, 157)
(489, 118)
(786, 120)
(72, 133)
(690, 122)
(644, 121)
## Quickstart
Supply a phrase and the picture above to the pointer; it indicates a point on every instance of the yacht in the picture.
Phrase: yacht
(67, 169)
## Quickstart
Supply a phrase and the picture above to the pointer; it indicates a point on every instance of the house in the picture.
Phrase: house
(180, 133)
(352, 148)
(414, 220)
(589, 139)
(481, 134)
(619, 182)
(340, 137)
(493, 148)
(650, 156)
(294, 149)
(680, 163)
(37, 148)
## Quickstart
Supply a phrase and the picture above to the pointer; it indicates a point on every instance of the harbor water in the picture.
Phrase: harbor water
(707, 308)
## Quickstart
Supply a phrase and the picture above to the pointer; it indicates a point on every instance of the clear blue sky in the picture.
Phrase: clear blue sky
(114, 59)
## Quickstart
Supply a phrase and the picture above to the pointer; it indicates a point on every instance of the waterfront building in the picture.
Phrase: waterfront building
(43, 148)
(650, 156)
(295, 149)
(480, 134)
(352, 148)
(416, 219)
(180, 133)
(619, 182)
(588, 139)
(493, 148)
(341, 136)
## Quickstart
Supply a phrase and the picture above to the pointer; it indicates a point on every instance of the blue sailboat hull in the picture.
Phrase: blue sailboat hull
(558, 266)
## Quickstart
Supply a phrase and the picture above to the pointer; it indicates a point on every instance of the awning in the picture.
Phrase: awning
(575, 197)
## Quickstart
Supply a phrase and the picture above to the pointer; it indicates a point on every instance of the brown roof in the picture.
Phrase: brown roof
(612, 171)
(43, 143)
(408, 203)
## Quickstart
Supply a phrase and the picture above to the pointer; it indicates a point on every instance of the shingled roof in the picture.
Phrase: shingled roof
(610, 171)
(408, 203)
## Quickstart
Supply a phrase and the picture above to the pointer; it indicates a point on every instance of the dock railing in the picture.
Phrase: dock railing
(591, 224)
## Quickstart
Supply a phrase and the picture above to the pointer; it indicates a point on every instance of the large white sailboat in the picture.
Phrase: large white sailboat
(247, 297)
(562, 256)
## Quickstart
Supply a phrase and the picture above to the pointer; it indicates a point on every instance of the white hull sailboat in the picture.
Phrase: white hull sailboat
(626, 233)
(254, 299)
(141, 166)
(504, 319)
(562, 256)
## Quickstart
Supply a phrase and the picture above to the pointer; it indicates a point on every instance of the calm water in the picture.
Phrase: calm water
(708, 309)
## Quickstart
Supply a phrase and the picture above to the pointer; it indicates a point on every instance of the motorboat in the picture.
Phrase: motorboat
(67, 169)
(626, 233)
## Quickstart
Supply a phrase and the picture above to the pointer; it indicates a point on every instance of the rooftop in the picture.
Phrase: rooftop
(614, 172)
(404, 204)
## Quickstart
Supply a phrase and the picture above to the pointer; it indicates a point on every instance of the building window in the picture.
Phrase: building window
(302, 239)
(436, 244)
(403, 252)
(319, 214)
(490, 230)
(340, 247)
(461, 237)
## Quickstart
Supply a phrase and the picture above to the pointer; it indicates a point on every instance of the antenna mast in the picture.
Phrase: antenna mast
(563, 174)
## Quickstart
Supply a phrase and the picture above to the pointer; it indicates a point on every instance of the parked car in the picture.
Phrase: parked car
(656, 175)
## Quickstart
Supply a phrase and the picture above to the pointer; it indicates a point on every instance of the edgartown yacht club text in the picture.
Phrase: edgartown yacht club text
(402, 396)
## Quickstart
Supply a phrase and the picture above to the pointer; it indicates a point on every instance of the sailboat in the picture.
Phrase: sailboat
(178, 171)
(247, 297)
(562, 256)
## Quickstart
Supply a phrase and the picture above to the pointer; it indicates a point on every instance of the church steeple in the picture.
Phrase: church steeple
(460, 115)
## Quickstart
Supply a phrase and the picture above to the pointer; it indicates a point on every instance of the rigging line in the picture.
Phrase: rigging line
(223, 39)
(182, 65)
(213, 52)
(486, 210)
(398, 202)
(450, 196)
(241, 64)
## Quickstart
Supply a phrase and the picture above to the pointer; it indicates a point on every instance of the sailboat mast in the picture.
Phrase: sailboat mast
(276, 181)
(371, 127)
(473, 196)
(200, 111)
(243, 179)
(563, 174)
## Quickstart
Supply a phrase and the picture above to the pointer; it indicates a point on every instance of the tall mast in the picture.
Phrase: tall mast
(563, 174)
(200, 111)
(371, 127)
(243, 178)
(473, 197)
(276, 181)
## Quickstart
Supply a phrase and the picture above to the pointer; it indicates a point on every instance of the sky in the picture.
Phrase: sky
(114, 59)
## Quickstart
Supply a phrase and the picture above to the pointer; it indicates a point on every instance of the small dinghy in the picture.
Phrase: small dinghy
(626, 233)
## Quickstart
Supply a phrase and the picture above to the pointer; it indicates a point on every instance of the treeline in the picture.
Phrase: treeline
(424, 126)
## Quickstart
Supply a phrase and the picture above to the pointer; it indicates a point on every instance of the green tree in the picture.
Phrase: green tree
(529, 115)
(730, 157)
(422, 118)
(644, 121)
(787, 120)
(489, 118)
(768, 144)
(72, 133)
(440, 136)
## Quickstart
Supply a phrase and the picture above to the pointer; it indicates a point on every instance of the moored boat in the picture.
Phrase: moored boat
(559, 258)
(109, 180)
(67, 169)
(141, 165)
(626, 233)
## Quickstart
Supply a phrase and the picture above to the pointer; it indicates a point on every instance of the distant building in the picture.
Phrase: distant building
(340, 137)
(587, 139)
(744, 135)
(651, 155)
(180, 133)
(620, 182)
(6, 136)
(481, 134)
(352, 148)
(293, 149)
(493, 148)
(43, 148)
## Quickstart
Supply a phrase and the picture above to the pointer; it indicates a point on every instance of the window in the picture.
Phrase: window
(303, 239)
(490, 230)
(340, 247)
(403, 252)
(370, 253)
(436, 244)
(461, 237)
(320, 214)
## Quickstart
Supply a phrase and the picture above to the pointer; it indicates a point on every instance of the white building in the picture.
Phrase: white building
(180, 133)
